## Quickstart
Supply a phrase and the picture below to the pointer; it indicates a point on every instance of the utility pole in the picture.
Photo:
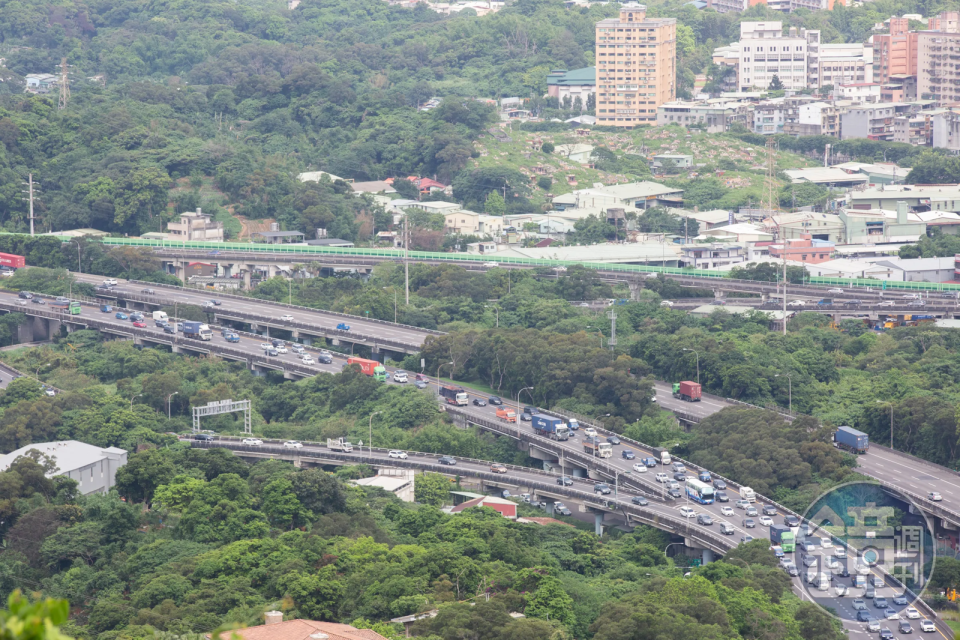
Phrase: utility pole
(406, 258)
(30, 193)
(64, 84)
(612, 342)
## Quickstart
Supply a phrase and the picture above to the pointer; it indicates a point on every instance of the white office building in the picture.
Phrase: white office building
(766, 52)
(93, 468)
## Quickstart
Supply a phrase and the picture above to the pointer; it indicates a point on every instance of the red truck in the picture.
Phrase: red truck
(687, 391)
(12, 260)
(369, 367)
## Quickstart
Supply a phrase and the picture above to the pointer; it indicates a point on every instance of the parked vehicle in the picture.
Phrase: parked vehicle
(339, 444)
(687, 391)
(454, 395)
(849, 439)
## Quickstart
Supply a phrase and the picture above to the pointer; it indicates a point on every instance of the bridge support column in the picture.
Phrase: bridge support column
(707, 556)
(255, 370)
(335, 342)
(247, 283)
(266, 331)
(53, 327)
(598, 523)
(174, 348)
(295, 334)
(307, 340)
(635, 288)
(297, 462)
(41, 328)
(25, 331)
(181, 270)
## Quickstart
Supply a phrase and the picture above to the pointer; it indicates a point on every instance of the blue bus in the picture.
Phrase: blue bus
(699, 491)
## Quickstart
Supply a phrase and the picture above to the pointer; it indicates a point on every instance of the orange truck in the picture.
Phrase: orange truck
(507, 414)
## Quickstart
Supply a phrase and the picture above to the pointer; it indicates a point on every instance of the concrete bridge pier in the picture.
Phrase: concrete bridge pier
(706, 555)
(25, 331)
(256, 370)
(247, 273)
(307, 340)
(635, 288)
(598, 523)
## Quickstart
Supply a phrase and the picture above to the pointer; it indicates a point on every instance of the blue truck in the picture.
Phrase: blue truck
(849, 439)
(106, 308)
(551, 427)
(231, 337)
(197, 330)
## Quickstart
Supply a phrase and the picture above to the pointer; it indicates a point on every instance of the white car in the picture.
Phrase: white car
(887, 303)
(893, 615)
(560, 269)
(308, 360)
(742, 504)
(491, 264)
(666, 303)
(927, 626)
(935, 496)
(834, 290)
(766, 521)
(110, 282)
(396, 453)
(687, 512)
(796, 303)
(286, 318)
(661, 477)
(400, 376)
(640, 467)
(840, 552)
(840, 590)
(726, 511)
(912, 613)
(281, 349)
(253, 441)
(826, 543)
(590, 432)
(266, 345)
(293, 444)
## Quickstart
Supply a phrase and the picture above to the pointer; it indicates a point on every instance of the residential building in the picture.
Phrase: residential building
(947, 21)
(900, 88)
(573, 84)
(765, 52)
(805, 116)
(742, 232)
(769, 117)
(895, 53)
(938, 75)
(877, 174)
(882, 225)
(871, 121)
(804, 250)
(642, 195)
(846, 63)
(914, 128)
(728, 6)
(94, 469)
(433, 206)
(467, 223)
(708, 219)
(41, 82)
(945, 132)
(274, 628)
(713, 116)
(860, 91)
(636, 66)
(917, 197)
(711, 256)
(194, 225)
(789, 6)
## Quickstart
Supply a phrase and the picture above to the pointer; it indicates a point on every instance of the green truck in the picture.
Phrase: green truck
(783, 536)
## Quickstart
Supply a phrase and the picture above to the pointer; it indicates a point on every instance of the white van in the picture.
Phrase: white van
(160, 315)
(823, 582)
(748, 494)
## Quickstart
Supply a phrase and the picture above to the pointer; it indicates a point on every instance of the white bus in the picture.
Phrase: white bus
(699, 491)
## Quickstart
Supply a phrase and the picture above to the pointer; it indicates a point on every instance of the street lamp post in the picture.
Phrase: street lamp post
(134, 398)
(168, 402)
(599, 333)
(370, 426)
(438, 376)
(518, 405)
(789, 390)
(79, 268)
(37, 374)
(698, 362)
(497, 310)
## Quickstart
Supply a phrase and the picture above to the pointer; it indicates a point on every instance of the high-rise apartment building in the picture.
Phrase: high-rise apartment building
(948, 21)
(895, 53)
(938, 65)
(765, 52)
(636, 66)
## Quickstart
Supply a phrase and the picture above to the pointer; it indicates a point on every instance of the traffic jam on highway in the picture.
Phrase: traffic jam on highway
(819, 564)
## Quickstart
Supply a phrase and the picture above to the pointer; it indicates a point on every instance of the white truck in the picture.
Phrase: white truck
(160, 315)
(748, 494)
(339, 444)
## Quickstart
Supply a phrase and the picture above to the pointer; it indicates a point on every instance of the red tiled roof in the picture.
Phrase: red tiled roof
(302, 630)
